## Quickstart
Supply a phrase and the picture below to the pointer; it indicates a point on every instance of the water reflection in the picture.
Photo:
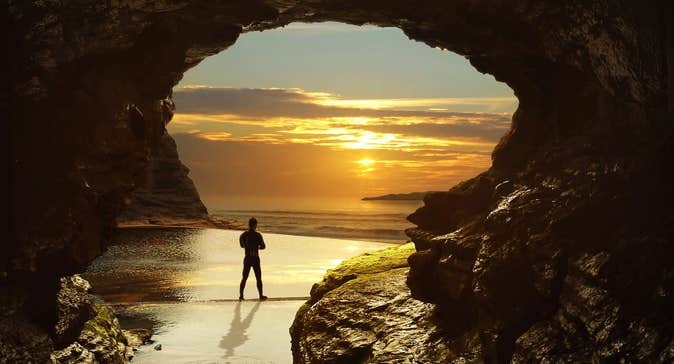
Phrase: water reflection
(237, 330)
(159, 265)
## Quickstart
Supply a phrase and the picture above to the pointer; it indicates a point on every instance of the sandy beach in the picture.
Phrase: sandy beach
(183, 284)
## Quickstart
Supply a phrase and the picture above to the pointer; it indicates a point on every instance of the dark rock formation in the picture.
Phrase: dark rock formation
(564, 266)
(561, 251)
(168, 194)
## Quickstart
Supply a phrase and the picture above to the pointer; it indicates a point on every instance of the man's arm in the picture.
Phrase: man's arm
(261, 245)
(241, 239)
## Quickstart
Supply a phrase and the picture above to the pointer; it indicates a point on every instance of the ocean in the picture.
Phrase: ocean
(380, 221)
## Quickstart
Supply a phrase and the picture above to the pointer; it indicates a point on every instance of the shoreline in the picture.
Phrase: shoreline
(209, 223)
(222, 225)
(201, 302)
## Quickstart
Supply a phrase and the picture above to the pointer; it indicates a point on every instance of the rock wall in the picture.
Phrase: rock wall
(168, 194)
(558, 251)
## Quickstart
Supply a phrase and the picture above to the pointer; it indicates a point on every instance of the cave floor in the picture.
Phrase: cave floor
(183, 283)
(214, 332)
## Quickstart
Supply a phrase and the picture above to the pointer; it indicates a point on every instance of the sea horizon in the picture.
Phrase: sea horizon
(379, 221)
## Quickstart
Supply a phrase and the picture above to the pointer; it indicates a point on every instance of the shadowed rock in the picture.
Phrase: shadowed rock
(588, 162)
(167, 195)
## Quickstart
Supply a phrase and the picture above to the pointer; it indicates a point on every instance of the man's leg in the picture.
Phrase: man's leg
(244, 276)
(258, 278)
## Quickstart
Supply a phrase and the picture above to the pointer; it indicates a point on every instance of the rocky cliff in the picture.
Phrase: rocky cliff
(561, 251)
(168, 195)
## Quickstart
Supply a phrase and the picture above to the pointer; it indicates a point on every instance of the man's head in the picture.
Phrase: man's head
(252, 223)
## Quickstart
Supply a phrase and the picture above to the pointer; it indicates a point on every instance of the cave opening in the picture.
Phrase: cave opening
(313, 106)
(295, 126)
(570, 227)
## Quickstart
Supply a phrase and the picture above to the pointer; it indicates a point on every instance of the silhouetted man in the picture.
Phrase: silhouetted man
(251, 241)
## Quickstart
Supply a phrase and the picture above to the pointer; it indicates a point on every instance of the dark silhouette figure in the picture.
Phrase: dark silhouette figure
(237, 330)
(251, 241)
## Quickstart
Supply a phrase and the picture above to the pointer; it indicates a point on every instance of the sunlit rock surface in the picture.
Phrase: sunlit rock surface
(74, 308)
(363, 311)
(372, 319)
(561, 251)
(100, 341)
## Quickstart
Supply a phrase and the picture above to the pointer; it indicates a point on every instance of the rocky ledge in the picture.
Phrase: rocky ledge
(362, 311)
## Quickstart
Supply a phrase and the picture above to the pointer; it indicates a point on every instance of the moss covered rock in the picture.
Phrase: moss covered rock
(362, 311)
(364, 264)
(100, 341)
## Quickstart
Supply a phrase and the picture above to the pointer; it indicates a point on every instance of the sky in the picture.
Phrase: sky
(336, 111)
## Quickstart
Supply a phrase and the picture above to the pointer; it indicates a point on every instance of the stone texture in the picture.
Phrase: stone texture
(22, 340)
(363, 311)
(74, 308)
(168, 195)
(73, 354)
(137, 337)
(100, 341)
(372, 319)
(565, 265)
(585, 170)
(103, 337)
(90, 333)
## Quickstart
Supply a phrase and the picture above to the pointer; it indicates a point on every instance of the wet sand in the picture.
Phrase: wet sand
(225, 332)
(183, 283)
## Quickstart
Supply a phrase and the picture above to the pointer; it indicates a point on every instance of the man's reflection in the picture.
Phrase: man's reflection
(237, 330)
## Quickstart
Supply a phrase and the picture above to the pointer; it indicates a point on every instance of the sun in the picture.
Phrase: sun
(365, 162)
(366, 166)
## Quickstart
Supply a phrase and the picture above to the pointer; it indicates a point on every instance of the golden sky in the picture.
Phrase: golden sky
(294, 143)
(335, 111)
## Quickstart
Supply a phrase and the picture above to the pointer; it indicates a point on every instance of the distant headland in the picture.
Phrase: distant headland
(412, 196)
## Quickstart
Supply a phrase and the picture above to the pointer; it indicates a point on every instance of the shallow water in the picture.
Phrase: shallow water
(177, 264)
(183, 283)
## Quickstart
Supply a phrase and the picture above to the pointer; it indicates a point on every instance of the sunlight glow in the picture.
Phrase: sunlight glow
(366, 166)
(432, 104)
(365, 162)
(420, 138)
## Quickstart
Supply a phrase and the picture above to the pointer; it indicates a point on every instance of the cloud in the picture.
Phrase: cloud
(483, 131)
(280, 102)
(292, 142)
(296, 116)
